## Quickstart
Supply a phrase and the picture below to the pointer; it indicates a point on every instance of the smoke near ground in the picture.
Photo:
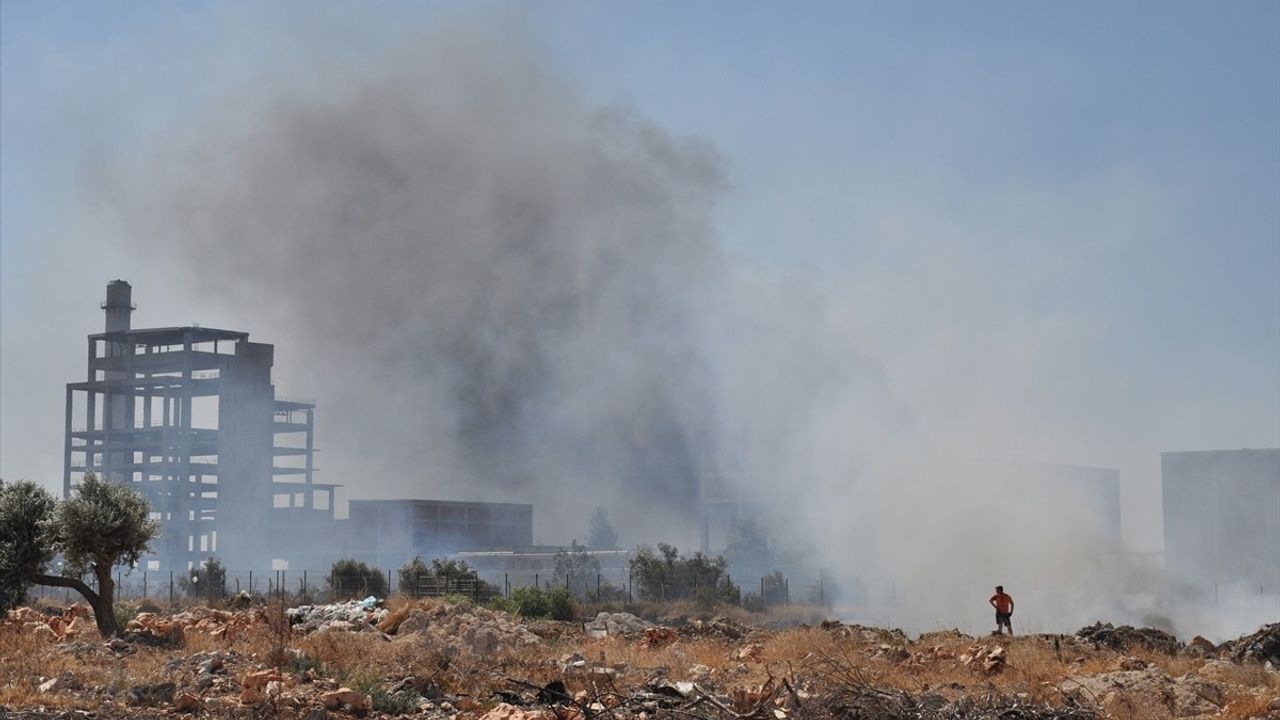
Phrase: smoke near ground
(499, 291)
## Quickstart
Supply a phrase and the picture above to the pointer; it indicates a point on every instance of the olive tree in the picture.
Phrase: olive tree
(100, 526)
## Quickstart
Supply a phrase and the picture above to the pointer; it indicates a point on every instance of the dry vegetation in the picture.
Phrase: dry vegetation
(741, 667)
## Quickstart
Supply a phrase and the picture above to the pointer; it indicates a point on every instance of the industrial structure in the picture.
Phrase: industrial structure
(189, 417)
(1222, 519)
(388, 533)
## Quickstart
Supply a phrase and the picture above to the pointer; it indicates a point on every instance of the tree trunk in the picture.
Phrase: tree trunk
(102, 602)
(104, 610)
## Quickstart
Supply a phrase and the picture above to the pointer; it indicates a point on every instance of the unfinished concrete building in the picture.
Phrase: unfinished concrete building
(189, 417)
(1222, 519)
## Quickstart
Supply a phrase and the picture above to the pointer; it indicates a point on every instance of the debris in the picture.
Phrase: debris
(1262, 646)
(621, 623)
(1126, 638)
(151, 695)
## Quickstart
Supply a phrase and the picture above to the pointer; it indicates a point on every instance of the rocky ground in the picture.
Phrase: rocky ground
(437, 660)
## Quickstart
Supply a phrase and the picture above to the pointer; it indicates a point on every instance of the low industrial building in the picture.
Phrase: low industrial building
(1222, 519)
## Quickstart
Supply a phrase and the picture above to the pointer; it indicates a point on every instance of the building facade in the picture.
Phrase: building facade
(189, 417)
(1222, 518)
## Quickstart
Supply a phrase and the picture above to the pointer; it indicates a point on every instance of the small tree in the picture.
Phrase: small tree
(351, 577)
(668, 575)
(412, 574)
(102, 525)
(209, 580)
(576, 566)
(601, 534)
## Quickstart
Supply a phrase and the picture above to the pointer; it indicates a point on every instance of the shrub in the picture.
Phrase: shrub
(207, 581)
(350, 578)
(560, 604)
(403, 702)
(529, 602)
(667, 575)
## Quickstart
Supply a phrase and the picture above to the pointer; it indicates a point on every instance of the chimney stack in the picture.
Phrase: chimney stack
(119, 305)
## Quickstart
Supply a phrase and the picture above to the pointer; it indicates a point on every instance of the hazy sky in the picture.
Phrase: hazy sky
(1059, 217)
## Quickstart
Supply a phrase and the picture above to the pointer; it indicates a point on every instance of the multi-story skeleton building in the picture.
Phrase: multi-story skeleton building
(190, 418)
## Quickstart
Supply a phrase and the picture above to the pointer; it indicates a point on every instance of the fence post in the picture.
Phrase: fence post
(506, 584)
(144, 584)
(250, 582)
(598, 588)
(535, 581)
(170, 587)
(305, 594)
(388, 582)
(117, 585)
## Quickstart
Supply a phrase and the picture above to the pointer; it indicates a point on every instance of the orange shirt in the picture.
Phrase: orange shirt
(1003, 601)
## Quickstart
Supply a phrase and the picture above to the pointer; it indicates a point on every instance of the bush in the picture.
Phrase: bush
(207, 581)
(351, 578)
(560, 604)
(451, 577)
(403, 702)
(667, 575)
(533, 602)
(529, 602)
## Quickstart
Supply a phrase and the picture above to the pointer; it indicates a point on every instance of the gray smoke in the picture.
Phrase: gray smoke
(494, 290)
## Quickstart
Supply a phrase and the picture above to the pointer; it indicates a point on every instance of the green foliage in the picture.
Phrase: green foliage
(577, 566)
(456, 599)
(454, 576)
(534, 602)
(352, 577)
(207, 581)
(529, 602)
(412, 574)
(667, 575)
(124, 614)
(402, 702)
(560, 604)
(26, 546)
(103, 524)
(601, 534)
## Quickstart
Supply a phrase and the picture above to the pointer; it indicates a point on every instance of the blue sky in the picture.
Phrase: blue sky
(1091, 189)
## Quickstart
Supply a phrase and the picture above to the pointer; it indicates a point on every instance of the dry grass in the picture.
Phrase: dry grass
(805, 654)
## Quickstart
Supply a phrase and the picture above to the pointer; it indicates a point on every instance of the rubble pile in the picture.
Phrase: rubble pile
(717, 627)
(74, 621)
(1126, 638)
(620, 623)
(989, 659)
(1120, 692)
(1262, 646)
(458, 628)
(352, 615)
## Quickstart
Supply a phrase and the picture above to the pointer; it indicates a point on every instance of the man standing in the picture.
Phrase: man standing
(1004, 610)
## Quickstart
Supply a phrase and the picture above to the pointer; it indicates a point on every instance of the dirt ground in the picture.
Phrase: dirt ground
(441, 660)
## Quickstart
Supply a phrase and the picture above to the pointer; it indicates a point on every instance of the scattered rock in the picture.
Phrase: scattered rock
(345, 698)
(186, 702)
(620, 623)
(151, 695)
